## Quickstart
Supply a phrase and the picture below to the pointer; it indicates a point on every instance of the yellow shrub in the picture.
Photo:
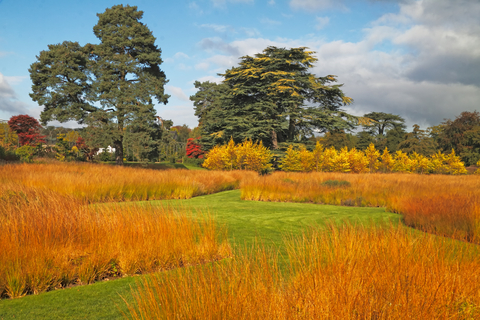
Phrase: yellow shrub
(244, 156)
(291, 162)
(387, 162)
(372, 156)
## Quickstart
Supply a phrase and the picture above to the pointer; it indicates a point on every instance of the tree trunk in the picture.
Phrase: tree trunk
(274, 140)
(118, 144)
(291, 129)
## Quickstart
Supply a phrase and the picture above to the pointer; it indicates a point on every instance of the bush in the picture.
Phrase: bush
(193, 161)
(106, 156)
(244, 156)
(26, 153)
(335, 183)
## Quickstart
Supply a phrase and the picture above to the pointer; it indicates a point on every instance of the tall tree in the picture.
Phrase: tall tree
(273, 97)
(208, 103)
(418, 141)
(107, 85)
(383, 122)
(462, 135)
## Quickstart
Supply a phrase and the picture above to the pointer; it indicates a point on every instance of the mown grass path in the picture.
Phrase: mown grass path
(271, 221)
(245, 220)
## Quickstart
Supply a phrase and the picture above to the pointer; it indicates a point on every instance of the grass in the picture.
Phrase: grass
(347, 272)
(158, 166)
(49, 242)
(440, 204)
(363, 269)
(106, 183)
(245, 220)
(271, 221)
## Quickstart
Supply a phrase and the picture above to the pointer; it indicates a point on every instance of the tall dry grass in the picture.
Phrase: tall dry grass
(345, 273)
(445, 205)
(102, 183)
(51, 237)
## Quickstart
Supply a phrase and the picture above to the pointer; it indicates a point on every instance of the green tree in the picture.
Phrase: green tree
(418, 141)
(382, 122)
(461, 135)
(107, 85)
(271, 97)
(338, 139)
(393, 138)
(208, 103)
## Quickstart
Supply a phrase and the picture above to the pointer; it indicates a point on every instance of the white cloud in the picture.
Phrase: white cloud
(9, 103)
(193, 6)
(177, 93)
(250, 32)
(217, 27)
(15, 79)
(222, 3)
(202, 66)
(271, 2)
(180, 55)
(316, 5)
(321, 22)
(270, 22)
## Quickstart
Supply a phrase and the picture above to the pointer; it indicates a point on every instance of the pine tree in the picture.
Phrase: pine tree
(107, 85)
(272, 97)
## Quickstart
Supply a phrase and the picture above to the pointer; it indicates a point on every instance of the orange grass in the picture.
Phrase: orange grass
(445, 205)
(344, 273)
(51, 240)
(101, 183)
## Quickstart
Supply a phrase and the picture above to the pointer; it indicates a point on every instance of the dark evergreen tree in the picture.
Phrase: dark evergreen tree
(364, 139)
(462, 135)
(382, 122)
(418, 141)
(109, 85)
(271, 97)
(393, 138)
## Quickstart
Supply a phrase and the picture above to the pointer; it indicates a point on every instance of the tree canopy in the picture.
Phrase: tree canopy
(27, 129)
(383, 122)
(108, 85)
(272, 97)
(462, 135)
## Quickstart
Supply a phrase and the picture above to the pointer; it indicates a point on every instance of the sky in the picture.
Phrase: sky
(419, 59)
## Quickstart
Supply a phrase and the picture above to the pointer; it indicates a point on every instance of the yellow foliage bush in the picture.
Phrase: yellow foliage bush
(244, 156)
(369, 160)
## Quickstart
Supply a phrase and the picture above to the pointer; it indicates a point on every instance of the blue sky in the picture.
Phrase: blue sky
(416, 58)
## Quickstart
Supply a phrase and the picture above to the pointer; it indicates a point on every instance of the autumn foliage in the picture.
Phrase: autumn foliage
(27, 128)
(51, 236)
(244, 156)
(346, 272)
(194, 150)
(442, 204)
(370, 160)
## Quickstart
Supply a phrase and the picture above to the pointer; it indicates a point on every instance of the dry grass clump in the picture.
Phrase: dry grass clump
(345, 273)
(445, 205)
(49, 241)
(101, 183)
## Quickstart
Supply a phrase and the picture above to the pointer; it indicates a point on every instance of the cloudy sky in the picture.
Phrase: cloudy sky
(419, 59)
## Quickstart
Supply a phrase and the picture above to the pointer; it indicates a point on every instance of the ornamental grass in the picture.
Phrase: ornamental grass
(51, 236)
(107, 183)
(345, 272)
(440, 204)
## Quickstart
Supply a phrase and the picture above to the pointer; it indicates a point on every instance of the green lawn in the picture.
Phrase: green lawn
(158, 165)
(245, 220)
